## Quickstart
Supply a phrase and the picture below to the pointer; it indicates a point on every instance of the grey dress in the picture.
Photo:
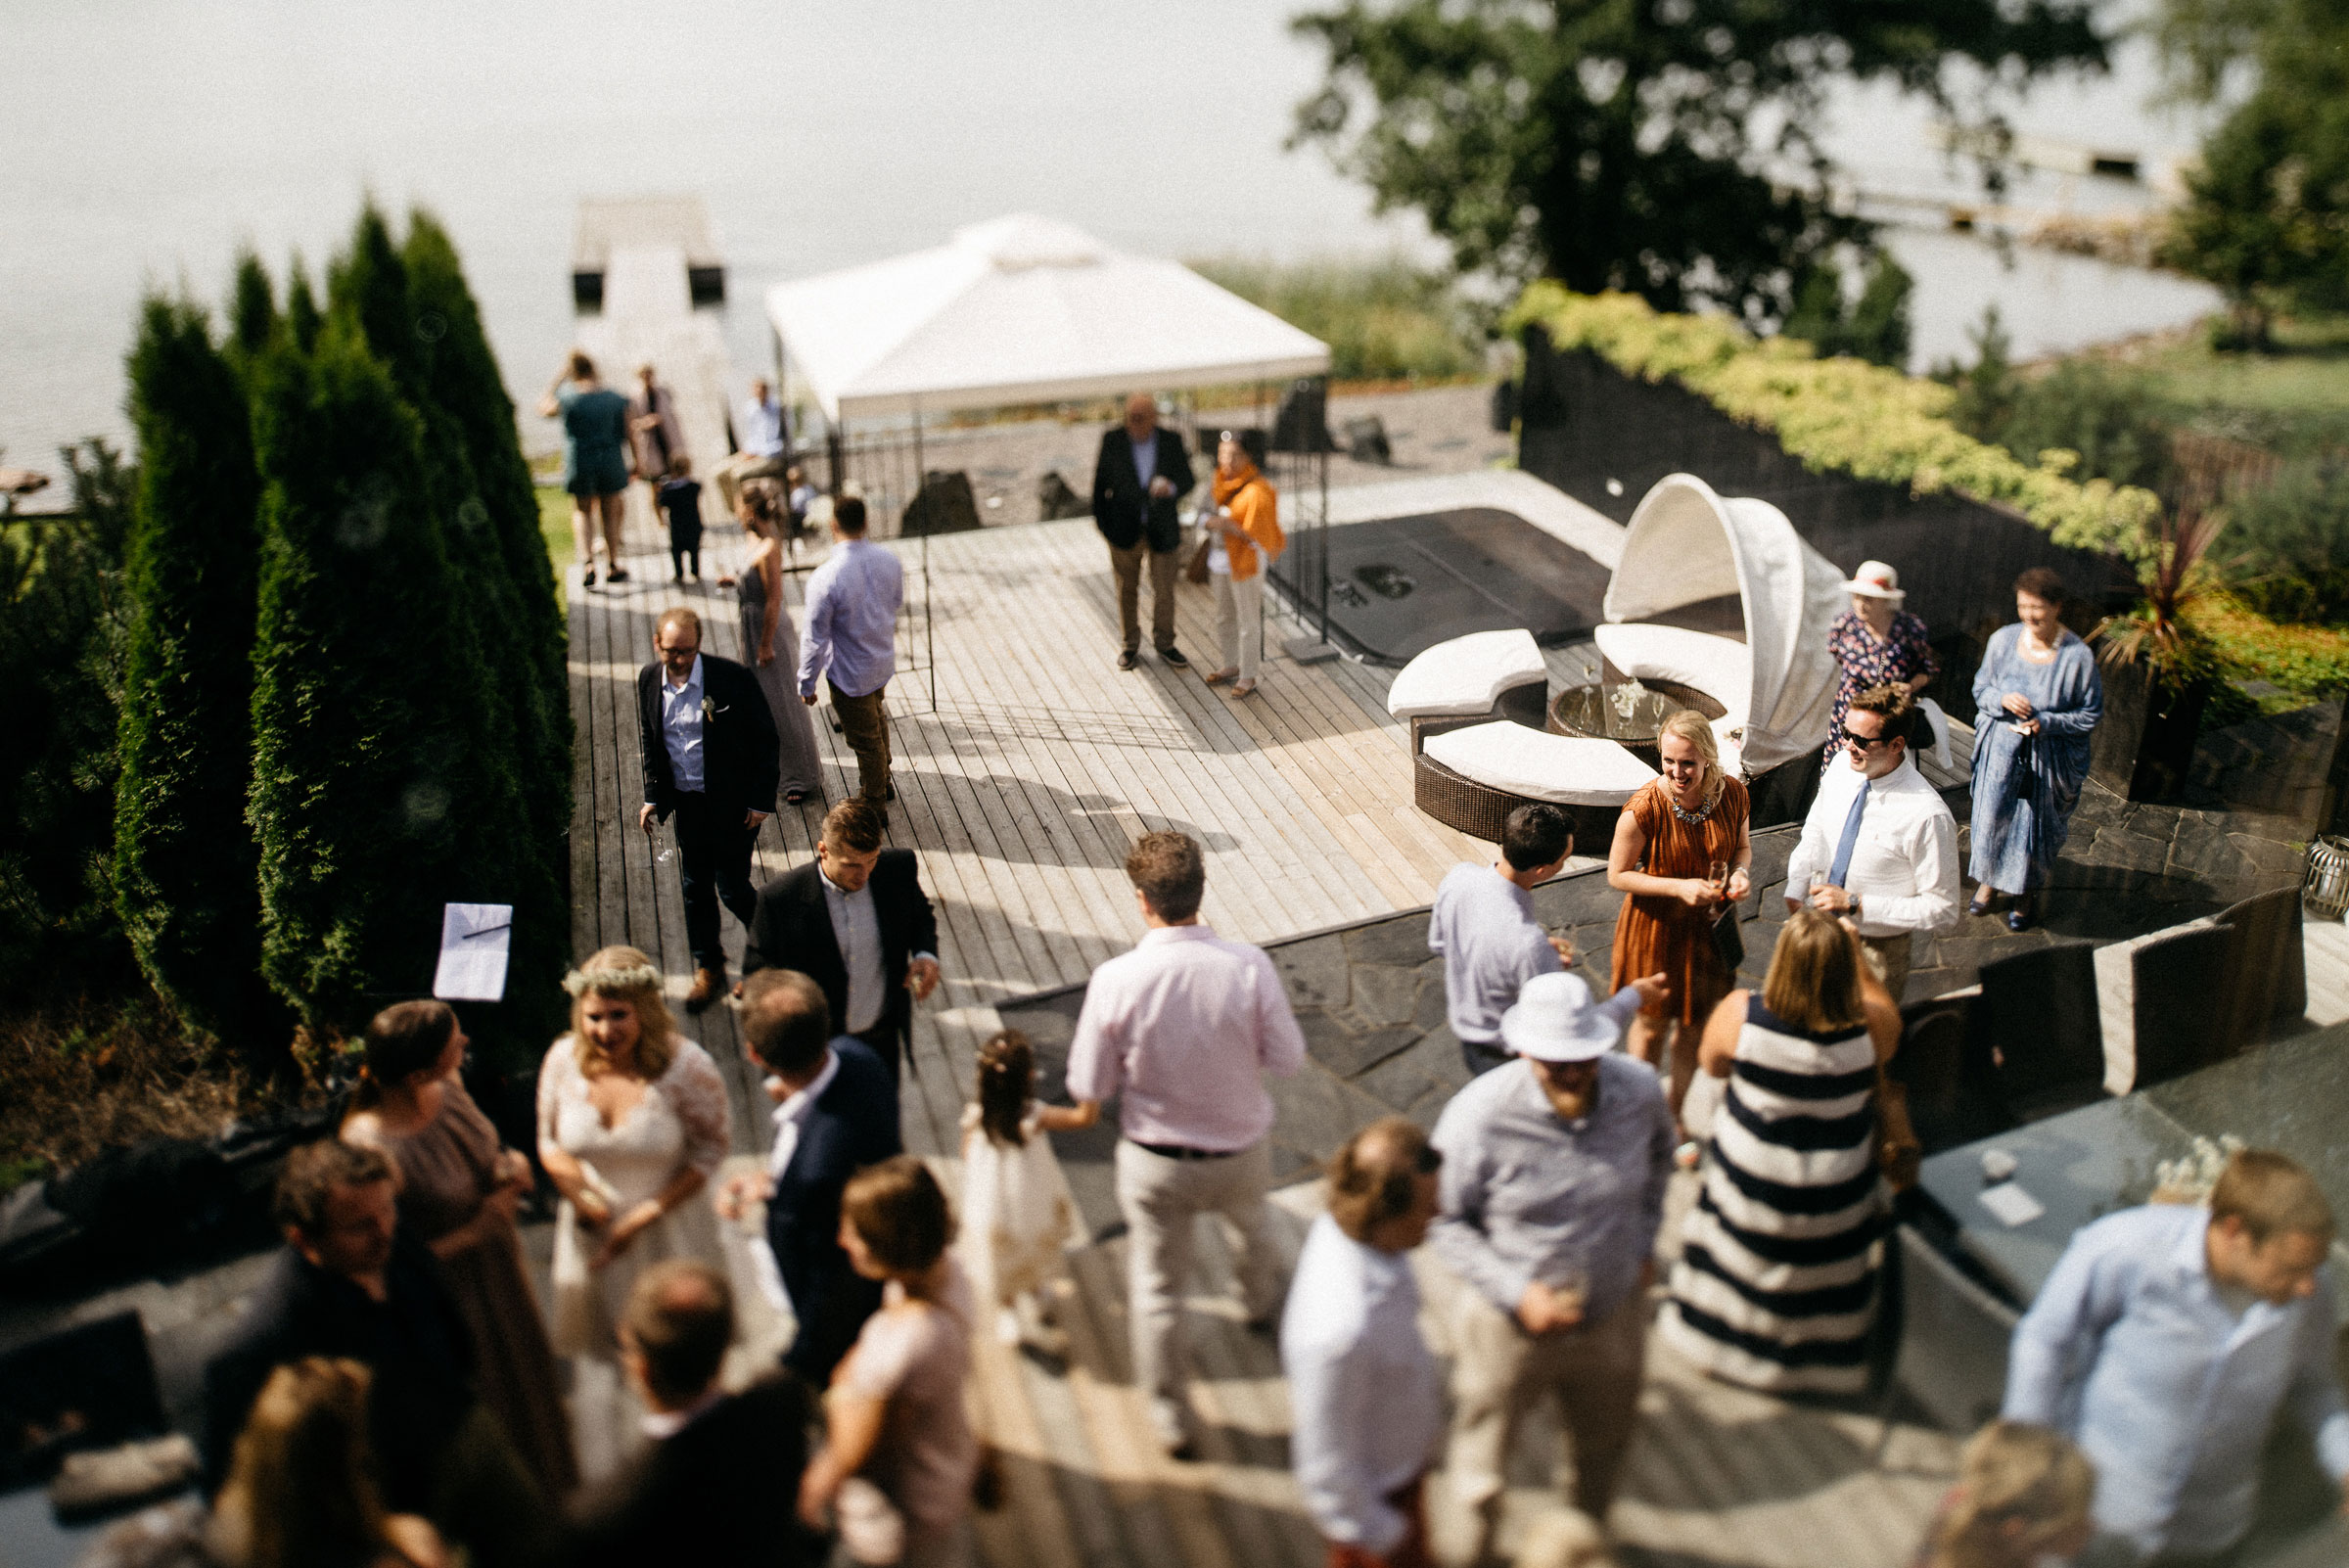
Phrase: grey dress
(801, 764)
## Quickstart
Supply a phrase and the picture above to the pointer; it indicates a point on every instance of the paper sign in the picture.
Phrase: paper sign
(2011, 1204)
(474, 942)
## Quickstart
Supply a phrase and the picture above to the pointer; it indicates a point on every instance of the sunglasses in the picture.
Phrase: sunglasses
(1430, 1160)
(1867, 742)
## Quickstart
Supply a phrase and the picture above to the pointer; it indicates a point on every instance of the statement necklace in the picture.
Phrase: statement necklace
(1689, 818)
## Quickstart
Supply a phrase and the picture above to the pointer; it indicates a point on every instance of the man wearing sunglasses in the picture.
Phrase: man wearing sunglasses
(1879, 849)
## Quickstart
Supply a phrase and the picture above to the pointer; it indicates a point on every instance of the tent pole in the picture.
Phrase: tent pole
(929, 635)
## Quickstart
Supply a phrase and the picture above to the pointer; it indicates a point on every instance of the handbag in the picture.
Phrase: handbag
(1899, 1152)
(1194, 570)
(1729, 942)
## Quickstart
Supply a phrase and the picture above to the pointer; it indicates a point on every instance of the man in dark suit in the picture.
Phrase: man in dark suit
(706, 1489)
(710, 757)
(836, 1113)
(1138, 478)
(854, 919)
(349, 1284)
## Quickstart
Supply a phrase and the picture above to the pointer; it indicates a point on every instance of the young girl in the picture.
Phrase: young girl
(1015, 1206)
(2021, 1501)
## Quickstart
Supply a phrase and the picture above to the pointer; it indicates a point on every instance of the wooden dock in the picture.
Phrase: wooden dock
(1021, 790)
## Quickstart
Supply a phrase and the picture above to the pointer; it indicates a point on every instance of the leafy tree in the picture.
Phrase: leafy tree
(185, 859)
(1641, 145)
(1874, 328)
(2286, 545)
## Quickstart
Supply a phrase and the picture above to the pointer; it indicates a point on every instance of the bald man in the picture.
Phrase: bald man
(1139, 479)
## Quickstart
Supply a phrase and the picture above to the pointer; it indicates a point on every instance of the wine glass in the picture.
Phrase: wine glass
(1718, 873)
(668, 847)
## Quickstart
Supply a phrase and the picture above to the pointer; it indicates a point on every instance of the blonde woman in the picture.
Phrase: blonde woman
(2021, 1502)
(632, 1121)
(1683, 848)
(1775, 1288)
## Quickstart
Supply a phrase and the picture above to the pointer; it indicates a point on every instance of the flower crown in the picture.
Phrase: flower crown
(612, 982)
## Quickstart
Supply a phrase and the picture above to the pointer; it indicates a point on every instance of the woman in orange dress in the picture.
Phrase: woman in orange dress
(1669, 840)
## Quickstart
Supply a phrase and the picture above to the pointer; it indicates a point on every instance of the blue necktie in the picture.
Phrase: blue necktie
(1851, 836)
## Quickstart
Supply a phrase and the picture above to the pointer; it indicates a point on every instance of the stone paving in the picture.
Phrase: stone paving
(1370, 998)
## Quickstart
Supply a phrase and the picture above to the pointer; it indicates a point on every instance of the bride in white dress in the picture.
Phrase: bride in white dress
(631, 1123)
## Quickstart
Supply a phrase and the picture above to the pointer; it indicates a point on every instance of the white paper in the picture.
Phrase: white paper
(474, 942)
(2011, 1204)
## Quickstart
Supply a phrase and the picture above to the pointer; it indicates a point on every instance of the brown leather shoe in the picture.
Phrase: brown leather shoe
(706, 984)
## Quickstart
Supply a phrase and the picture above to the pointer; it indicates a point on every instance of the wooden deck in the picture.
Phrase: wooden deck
(1021, 789)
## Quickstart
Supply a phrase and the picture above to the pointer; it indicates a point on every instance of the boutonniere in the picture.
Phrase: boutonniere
(710, 710)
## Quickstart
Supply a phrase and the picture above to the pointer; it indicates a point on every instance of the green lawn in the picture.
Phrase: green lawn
(2295, 399)
(554, 526)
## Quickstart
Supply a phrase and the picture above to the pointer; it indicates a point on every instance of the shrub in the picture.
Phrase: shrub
(2286, 552)
(1874, 327)
(1383, 320)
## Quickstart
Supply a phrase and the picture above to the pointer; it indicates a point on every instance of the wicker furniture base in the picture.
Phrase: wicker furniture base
(1480, 810)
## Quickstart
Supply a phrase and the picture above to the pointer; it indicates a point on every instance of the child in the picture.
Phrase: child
(1015, 1206)
(681, 504)
(799, 495)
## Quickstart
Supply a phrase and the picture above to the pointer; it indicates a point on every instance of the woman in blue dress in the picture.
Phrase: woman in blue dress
(2037, 699)
(596, 460)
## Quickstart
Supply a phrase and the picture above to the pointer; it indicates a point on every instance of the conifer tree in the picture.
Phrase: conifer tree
(184, 861)
(252, 310)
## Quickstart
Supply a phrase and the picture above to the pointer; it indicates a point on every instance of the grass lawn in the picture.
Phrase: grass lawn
(2295, 398)
(554, 526)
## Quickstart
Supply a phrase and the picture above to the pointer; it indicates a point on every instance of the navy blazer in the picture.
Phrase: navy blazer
(791, 929)
(742, 763)
(853, 1124)
(1119, 496)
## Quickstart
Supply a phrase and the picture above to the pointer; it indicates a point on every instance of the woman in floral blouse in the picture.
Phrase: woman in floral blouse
(1876, 642)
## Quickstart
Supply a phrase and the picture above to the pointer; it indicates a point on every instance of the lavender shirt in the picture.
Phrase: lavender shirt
(852, 602)
(1179, 1030)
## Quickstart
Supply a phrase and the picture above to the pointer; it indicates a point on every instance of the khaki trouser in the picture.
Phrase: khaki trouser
(864, 723)
(1127, 564)
(1240, 622)
(730, 474)
(1887, 959)
(1498, 1370)
(1161, 1199)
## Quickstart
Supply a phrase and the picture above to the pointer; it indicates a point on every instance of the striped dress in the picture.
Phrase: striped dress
(1775, 1286)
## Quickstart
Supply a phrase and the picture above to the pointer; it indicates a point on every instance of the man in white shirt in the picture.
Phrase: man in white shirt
(1483, 928)
(1879, 847)
(1366, 1396)
(763, 437)
(1180, 1031)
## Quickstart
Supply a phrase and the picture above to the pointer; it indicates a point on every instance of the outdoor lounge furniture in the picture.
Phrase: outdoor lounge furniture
(2040, 1012)
(1951, 1357)
(1484, 675)
(1472, 778)
(2269, 965)
(2183, 1003)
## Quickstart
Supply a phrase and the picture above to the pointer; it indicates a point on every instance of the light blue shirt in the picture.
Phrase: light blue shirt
(681, 728)
(1145, 465)
(853, 603)
(1483, 927)
(2164, 1385)
(1366, 1400)
(761, 428)
(1528, 1196)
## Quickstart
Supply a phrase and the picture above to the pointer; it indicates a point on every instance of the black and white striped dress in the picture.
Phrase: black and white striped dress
(1775, 1286)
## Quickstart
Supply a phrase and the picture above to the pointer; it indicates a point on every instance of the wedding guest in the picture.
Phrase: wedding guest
(1879, 847)
(1016, 1215)
(656, 438)
(348, 1285)
(1777, 1284)
(595, 461)
(1876, 643)
(711, 758)
(899, 1457)
(458, 1190)
(1366, 1396)
(771, 645)
(851, 644)
(632, 1121)
(679, 499)
(2037, 698)
(763, 442)
(1682, 851)
(1483, 928)
(2021, 1502)
(714, 1461)
(1245, 524)
(1139, 476)
(2168, 1340)
(1553, 1177)
(1180, 1031)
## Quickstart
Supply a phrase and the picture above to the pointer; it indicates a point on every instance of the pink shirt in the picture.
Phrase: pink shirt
(1179, 1030)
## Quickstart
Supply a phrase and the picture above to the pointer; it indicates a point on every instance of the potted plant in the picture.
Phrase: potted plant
(2158, 668)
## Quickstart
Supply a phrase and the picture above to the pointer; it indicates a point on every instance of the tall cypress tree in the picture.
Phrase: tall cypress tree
(358, 750)
(185, 859)
(252, 310)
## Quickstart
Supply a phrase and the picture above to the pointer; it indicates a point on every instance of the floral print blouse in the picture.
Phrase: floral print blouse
(1902, 656)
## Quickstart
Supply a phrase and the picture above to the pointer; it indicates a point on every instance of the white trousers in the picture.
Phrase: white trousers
(1240, 621)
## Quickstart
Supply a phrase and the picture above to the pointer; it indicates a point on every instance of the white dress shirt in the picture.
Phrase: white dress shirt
(1904, 864)
(1365, 1399)
(681, 728)
(787, 1119)
(761, 428)
(858, 931)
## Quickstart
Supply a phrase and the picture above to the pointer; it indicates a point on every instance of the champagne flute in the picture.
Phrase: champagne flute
(667, 843)
(1718, 873)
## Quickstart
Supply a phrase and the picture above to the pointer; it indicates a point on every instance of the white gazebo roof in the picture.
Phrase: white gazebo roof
(1022, 309)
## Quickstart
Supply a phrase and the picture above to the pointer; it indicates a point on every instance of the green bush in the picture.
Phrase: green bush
(184, 854)
(1383, 320)
(1873, 327)
(2285, 550)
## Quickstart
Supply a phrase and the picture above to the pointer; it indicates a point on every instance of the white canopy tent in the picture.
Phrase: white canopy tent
(1021, 310)
(1686, 544)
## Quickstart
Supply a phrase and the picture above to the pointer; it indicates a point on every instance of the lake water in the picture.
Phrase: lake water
(142, 141)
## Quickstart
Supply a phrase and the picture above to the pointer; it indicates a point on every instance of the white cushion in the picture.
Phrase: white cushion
(1939, 751)
(1519, 760)
(1467, 676)
(1728, 738)
(1721, 668)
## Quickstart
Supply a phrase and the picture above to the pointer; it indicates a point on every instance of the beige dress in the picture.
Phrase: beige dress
(446, 1168)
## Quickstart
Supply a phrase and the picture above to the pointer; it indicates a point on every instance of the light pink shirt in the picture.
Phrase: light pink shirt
(1179, 1030)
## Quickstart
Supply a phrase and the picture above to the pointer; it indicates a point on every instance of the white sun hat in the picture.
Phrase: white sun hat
(1878, 581)
(1554, 1020)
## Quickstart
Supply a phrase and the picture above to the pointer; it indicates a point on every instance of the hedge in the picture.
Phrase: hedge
(1839, 415)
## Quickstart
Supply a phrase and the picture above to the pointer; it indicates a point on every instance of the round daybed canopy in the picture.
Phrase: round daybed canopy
(1687, 554)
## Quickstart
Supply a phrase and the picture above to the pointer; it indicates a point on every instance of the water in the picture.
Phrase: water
(141, 141)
